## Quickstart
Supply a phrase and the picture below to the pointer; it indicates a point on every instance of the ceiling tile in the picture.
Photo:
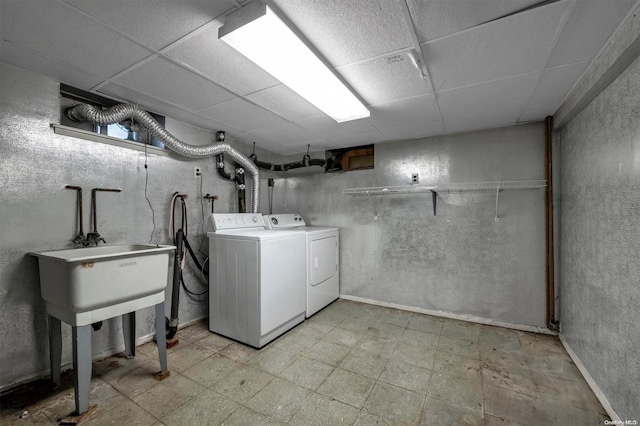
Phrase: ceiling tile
(223, 64)
(164, 80)
(160, 107)
(285, 102)
(284, 134)
(405, 112)
(555, 83)
(494, 104)
(326, 127)
(155, 23)
(535, 113)
(510, 46)
(384, 79)
(437, 18)
(66, 73)
(54, 30)
(420, 130)
(355, 139)
(348, 31)
(590, 25)
(242, 115)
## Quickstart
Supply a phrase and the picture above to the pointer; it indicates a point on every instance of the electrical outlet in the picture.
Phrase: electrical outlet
(197, 172)
(414, 178)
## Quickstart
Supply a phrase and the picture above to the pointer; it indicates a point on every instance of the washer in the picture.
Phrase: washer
(322, 259)
(256, 279)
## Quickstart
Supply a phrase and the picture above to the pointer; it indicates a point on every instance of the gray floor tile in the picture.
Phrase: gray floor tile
(395, 404)
(395, 317)
(462, 347)
(327, 352)
(456, 365)
(412, 336)
(194, 332)
(364, 363)
(426, 323)
(170, 394)
(561, 414)
(244, 416)
(456, 391)
(211, 370)
(343, 337)
(295, 342)
(242, 383)
(137, 381)
(320, 410)
(576, 394)
(420, 355)
(513, 377)
(461, 330)
(307, 373)
(515, 407)
(406, 376)
(272, 360)
(238, 352)
(214, 342)
(314, 329)
(437, 412)
(126, 413)
(556, 365)
(499, 338)
(206, 408)
(368, 419)
(186, 355)
(375, 344)
(279, 400)
(348, 387)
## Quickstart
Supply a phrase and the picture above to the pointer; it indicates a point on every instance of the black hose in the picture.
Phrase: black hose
(175, 293)
(306, 162)
(193, 256)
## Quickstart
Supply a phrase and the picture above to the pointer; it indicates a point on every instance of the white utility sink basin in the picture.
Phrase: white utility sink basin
(86, 285)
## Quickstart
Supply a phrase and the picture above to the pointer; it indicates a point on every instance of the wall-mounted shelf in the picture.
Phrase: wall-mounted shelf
(497, 187)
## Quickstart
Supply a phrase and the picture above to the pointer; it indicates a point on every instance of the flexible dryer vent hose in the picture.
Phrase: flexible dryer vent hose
(117, 113)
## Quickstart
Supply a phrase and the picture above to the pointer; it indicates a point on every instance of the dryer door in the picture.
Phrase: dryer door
(323, 258)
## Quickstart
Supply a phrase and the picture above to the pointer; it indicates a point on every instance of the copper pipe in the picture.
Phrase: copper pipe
(552, 323)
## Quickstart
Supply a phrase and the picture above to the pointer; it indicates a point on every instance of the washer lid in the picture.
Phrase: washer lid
(256, 234)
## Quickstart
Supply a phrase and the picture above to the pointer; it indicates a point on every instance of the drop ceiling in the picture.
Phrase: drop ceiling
(487, 63)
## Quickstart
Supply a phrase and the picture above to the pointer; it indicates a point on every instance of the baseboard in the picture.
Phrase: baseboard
(592, 383)
(461, 317)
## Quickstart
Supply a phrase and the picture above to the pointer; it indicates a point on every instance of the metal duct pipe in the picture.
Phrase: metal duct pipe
(117, 113)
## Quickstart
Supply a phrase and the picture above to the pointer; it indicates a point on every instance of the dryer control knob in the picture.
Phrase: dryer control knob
(255, 219)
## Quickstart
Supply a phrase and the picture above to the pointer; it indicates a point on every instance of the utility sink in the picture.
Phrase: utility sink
(86, 285)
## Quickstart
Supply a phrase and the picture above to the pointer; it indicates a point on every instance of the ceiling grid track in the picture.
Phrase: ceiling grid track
(556, 37)
(162, 54)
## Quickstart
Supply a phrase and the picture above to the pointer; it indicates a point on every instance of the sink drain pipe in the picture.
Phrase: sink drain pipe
(119, 112)
(172, 326)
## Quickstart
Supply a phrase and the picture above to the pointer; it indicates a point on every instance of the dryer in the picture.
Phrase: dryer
(322, 259)
(256, 279)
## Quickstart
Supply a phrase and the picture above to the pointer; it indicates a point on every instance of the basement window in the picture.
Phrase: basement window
(124, 134)
(346, 159)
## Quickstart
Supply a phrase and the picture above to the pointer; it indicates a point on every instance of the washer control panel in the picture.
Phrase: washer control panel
(287, 220)
(236, 220)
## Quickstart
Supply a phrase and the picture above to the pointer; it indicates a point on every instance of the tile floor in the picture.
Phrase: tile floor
(351, 363)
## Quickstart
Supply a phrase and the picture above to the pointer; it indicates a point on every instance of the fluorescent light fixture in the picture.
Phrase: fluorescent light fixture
(260, 35)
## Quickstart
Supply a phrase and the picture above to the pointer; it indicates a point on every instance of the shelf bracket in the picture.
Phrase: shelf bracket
(497, 198)
(434, 200)
(375, 214)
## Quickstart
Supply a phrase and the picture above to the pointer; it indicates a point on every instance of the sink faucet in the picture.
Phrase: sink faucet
(94, 236)
(80, 238)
